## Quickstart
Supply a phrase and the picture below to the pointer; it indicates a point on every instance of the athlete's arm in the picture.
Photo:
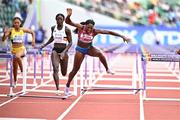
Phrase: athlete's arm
(69, 38)
(32, 33)
(68, 19)
(6, 34)
(97, 31)
(50, 39)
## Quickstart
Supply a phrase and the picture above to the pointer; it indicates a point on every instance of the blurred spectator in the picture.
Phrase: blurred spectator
(152, 17)
(23, 4)
(40, 34)
(1, 32)
(171, 16)
(6, 2)
(178, 22)
(12, 8)
(141, 12)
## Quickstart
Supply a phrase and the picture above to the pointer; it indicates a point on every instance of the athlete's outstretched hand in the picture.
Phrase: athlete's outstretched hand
(69, 11)
(125, 39)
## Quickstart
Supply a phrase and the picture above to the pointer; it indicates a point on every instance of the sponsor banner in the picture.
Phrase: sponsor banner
(141, 35)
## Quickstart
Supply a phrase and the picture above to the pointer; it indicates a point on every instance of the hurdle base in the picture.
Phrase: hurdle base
(91, 89)
(38, 96)
(110, 88)
(162, 99)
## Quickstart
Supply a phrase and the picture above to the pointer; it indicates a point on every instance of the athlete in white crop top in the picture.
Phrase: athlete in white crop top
(86, 33)
(61, 36)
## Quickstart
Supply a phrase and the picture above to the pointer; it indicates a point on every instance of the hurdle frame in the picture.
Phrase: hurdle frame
(170, 68)
(24, 84)
(91, 86)
(9, 57)
(43, 84)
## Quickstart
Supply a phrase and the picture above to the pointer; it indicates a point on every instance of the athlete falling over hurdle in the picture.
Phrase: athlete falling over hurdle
(61, 35)
(16, 35)
(86, 33)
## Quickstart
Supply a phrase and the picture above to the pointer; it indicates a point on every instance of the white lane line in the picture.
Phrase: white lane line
(77, 100)
(5, 79)
(8, 101)
(69, 108)
(141, 105)
(72, 105)
(3, 118)
(26, 93)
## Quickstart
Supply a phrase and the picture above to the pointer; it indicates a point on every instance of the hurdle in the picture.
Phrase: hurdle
(89, 84)
(32, 52)
(45, 84)
(174, 67)
(10, 57)
(6, 71)
(36, 53)
(172, 58)
(4, 51)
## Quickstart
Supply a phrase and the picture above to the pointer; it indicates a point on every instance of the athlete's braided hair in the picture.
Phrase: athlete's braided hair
(89, 21)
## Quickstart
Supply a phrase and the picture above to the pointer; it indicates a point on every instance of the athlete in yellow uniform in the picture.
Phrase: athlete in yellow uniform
(16, 35)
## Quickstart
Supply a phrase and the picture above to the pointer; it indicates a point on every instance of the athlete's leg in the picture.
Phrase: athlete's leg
(77, 63)
(15, 69)
(97, 53)
(55, 63)
(17, 61)
(64, 64)
(19, 56)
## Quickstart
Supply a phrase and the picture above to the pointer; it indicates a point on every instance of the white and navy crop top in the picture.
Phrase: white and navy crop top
(59, 35)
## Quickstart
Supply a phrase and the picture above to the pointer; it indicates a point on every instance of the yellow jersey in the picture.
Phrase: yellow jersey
(17, 36)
